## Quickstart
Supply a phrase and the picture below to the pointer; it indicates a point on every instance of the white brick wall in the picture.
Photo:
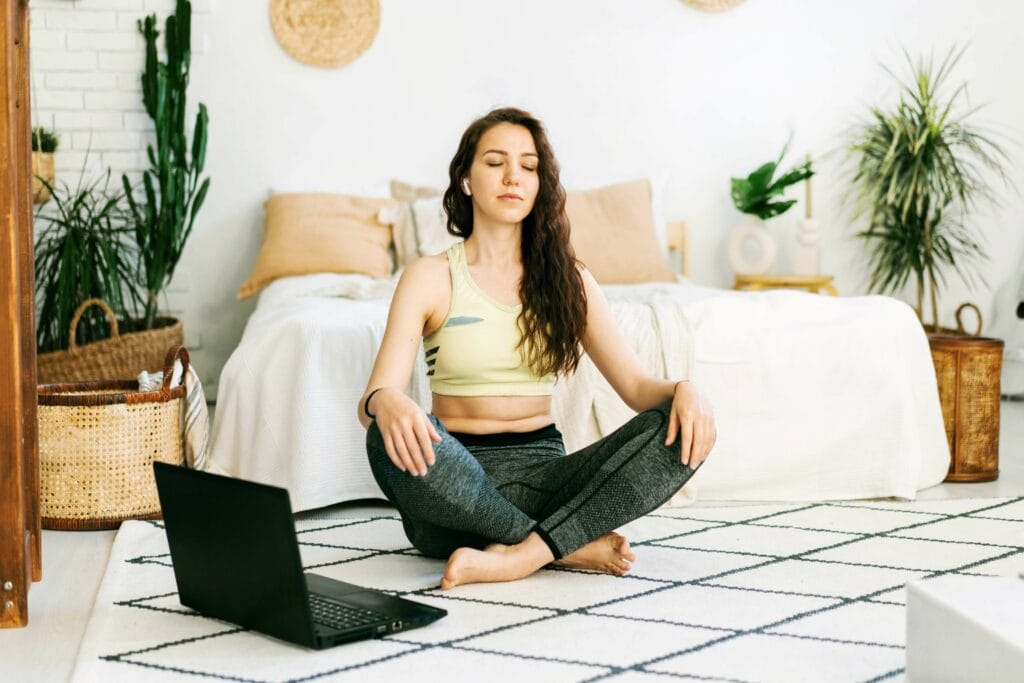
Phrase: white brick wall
(86, 60)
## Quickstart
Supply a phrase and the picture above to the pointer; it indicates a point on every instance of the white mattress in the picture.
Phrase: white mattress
(815, 397)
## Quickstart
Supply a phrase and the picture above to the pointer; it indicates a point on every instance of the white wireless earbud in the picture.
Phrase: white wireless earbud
(465, 186)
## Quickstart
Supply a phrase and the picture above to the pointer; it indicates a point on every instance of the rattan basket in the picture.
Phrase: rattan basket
(122, 355)
(968, 369)
(97, 444)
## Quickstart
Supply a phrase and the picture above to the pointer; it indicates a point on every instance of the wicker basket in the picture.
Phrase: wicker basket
(120, 356)
(968, 369)
(97, 444)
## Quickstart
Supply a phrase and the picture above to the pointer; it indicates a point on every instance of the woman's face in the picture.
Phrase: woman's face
(503, 178)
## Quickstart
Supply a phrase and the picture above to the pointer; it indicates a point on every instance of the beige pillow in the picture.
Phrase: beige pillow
(612, 231)
(320, 232)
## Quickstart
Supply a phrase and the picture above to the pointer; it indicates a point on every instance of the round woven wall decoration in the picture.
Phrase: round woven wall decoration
(326, 33)
(713, 5)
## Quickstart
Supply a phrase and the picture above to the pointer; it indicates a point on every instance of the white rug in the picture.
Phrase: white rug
(748, 593)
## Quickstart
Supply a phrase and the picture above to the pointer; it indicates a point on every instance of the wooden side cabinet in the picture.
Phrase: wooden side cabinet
(20, 536)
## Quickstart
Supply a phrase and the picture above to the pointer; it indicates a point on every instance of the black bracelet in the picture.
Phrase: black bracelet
(366, 404)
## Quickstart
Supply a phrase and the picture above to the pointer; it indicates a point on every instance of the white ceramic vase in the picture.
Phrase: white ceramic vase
(751, 229)
(807, 258)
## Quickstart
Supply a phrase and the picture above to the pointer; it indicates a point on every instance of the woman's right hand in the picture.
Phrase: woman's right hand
(407, 431)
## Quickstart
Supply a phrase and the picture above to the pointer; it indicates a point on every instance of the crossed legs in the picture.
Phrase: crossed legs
(500, 514)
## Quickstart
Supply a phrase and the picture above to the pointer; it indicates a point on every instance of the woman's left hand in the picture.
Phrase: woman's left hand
(691, 414)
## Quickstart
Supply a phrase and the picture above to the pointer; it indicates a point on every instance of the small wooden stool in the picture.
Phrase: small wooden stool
(812, 283)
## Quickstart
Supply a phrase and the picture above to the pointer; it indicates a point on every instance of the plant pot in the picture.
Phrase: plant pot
(42, 166)
(968, 368)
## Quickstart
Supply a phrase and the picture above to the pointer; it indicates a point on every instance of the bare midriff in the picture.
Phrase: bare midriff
(493, 414)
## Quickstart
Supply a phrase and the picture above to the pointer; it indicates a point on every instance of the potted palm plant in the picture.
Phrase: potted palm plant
(172, 187)
(44, 144)
(917, 172)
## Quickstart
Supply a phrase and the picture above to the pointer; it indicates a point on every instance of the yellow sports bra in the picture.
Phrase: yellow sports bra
(474, 352)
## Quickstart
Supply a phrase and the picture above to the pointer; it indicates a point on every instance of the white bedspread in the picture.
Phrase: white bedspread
(815, 397)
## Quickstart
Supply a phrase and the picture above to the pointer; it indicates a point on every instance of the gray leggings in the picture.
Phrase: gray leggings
(491, 488)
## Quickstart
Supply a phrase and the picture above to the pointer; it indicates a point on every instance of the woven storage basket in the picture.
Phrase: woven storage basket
(968, 368)
(120, 356)
(97, 444)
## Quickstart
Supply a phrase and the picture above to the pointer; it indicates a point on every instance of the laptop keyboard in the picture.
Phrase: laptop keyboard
(334, 614)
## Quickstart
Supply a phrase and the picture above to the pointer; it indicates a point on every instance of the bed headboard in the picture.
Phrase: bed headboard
(677, 237)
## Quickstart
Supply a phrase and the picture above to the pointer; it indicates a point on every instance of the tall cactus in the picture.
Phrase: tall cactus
(173, 191)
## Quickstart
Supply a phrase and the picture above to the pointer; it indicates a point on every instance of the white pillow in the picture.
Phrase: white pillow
(431, 225)
(658, 184)
(403, 233)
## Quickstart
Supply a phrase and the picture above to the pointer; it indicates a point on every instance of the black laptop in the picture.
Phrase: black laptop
(236, 557)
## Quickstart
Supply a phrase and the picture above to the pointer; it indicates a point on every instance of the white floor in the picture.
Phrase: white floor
(74, 562)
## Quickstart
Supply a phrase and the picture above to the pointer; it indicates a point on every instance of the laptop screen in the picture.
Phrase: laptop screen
(234, 550)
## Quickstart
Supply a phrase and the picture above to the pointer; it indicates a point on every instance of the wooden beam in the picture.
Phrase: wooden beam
(27, 280)
(20, 550)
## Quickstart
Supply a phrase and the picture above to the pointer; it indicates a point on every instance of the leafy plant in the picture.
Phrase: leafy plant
(918, 168)
(172, 190)
(756, 193)
(83, 249)
(44, 140)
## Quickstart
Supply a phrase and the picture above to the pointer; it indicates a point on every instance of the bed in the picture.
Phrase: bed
(815, 397)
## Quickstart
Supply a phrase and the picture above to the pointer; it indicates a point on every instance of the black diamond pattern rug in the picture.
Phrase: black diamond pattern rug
(780, 592)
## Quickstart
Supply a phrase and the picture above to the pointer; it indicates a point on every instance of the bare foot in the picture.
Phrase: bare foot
(609, 553)
(496, 562)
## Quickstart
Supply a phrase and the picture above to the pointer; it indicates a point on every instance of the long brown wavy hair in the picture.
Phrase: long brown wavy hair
(554, 312)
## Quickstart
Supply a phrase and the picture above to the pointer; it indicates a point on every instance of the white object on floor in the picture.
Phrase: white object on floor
(965, 628)
(815, 397)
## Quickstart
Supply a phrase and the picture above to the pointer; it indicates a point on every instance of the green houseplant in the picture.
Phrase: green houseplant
(759, 197)
(173, 190)
(917, 170)
(44, 144)
(83, 249)
(759, 194)
(44, 140)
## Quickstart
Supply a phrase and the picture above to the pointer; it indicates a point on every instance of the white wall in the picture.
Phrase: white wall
(652, 88)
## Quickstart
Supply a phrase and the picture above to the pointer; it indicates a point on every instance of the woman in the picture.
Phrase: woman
(484, 480)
